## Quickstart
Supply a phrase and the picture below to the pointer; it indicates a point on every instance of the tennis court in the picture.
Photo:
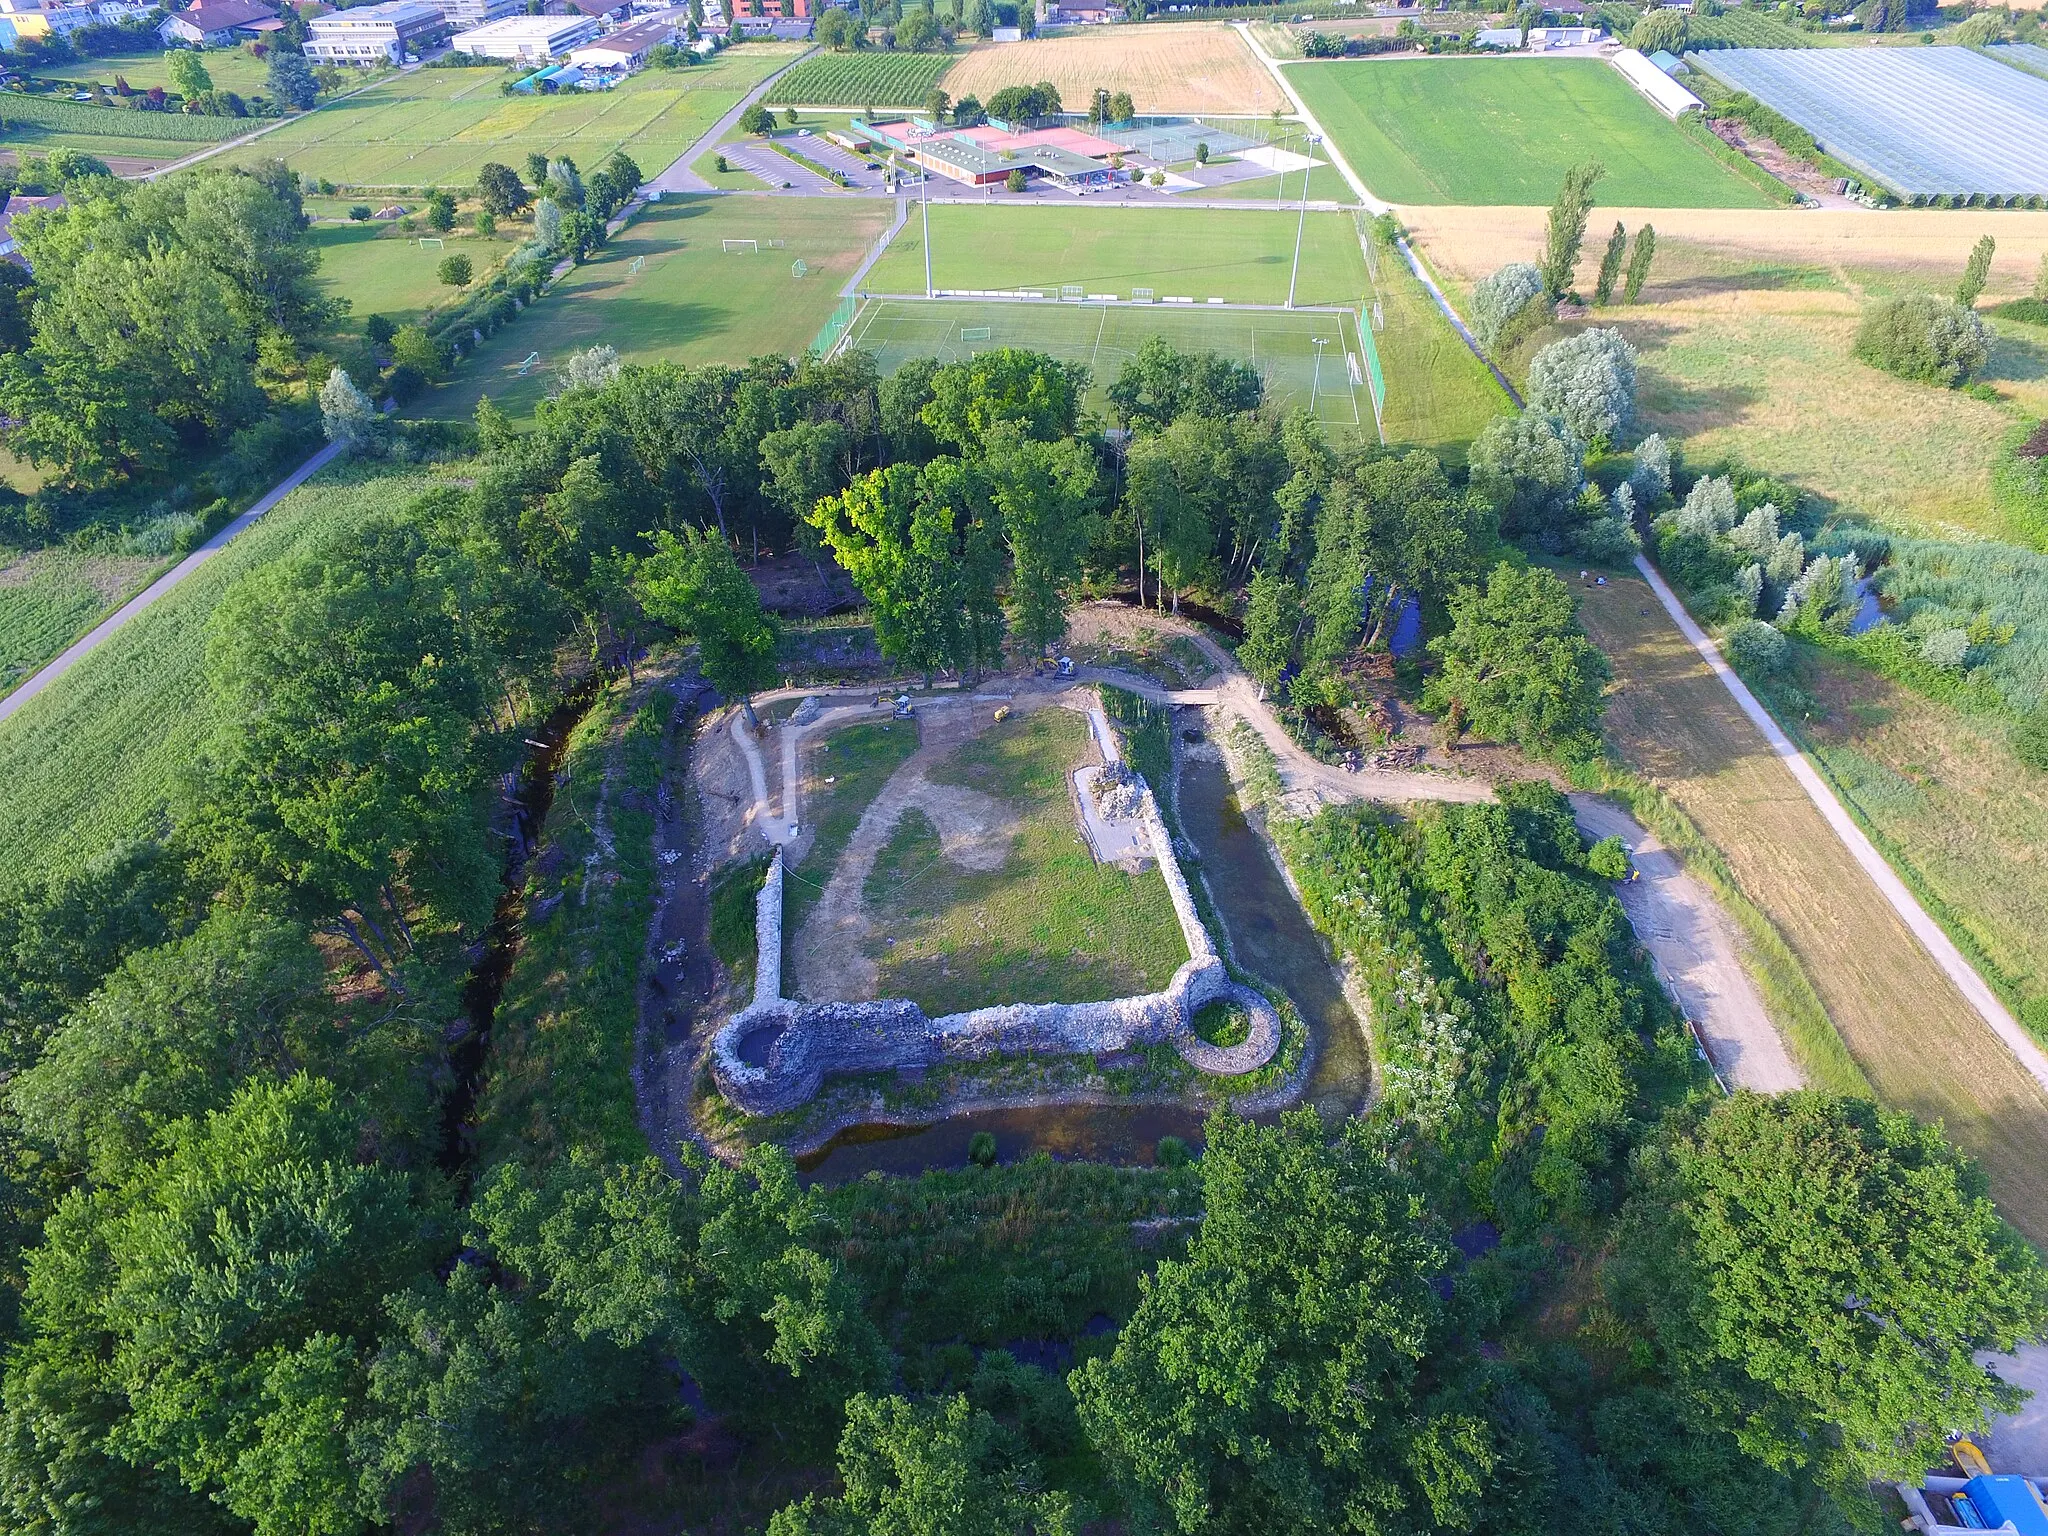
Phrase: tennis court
(1306, 356)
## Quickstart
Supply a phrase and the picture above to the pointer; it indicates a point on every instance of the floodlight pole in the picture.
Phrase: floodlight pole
(1301, 228)
(924, 203)
(1316, 383)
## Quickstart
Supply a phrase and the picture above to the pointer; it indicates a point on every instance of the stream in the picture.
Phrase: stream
(1269, 935)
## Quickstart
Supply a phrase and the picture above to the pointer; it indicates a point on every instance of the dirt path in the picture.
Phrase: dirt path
(1698, 954)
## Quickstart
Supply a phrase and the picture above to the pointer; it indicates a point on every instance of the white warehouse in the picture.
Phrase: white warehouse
(526, 39)
(1665, 93)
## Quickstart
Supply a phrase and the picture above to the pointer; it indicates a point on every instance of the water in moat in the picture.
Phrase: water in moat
(1269, 935)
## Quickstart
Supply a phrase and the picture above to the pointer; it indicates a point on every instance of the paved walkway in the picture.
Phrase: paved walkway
(1940, 948)
(156, 589)
(678, 177)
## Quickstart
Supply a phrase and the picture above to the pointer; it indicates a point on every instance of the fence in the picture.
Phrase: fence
(1375, 381)
(836, 328)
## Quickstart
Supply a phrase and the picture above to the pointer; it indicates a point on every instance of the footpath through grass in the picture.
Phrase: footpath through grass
(1243, 256)
(90, 759)
(1923, 1048)
(691, 302)
(1491, 131)
(1051, 925)
(435, 127)
(857, 760)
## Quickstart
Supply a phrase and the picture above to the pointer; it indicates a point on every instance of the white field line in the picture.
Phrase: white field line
(1937, 944)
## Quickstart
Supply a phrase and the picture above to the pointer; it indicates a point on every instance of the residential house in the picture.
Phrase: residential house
(624, 51)
(217, 23)
(19, 204)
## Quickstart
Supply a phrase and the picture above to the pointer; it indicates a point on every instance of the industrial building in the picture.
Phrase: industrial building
(367, 35)
(526, 39)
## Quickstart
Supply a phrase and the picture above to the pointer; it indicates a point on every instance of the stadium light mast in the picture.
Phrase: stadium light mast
(924, 203)
(1301, 228)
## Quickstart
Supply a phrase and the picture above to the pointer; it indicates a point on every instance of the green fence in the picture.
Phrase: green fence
(1375, 381)
(836, 327)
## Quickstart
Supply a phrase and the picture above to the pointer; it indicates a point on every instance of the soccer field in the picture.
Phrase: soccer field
(1502, 131)
(434, 127)
(1240, 255)
(1283, 343)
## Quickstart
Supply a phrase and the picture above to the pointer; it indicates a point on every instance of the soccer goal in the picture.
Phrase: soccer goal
(797, 268)
(741, 247)
(430, 242)
(974, 333)
(1073, 291)
(776, 245)
(1141, 296)
(526, 363)
(638, 263)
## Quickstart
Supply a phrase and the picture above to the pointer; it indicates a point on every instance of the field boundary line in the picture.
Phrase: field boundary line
(1939, 946)
(79, 649)
(1365, 194)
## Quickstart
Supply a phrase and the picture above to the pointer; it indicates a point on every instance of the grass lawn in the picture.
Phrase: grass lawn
(89, 760)
(1944, 795)
(1487, 131)
(690, 303)
(1326, 184)
(435, 127)
(1439, 395)
(231, 69)
(1240, 255)
(381, 272)
(858, 759)
(1922, 1047)
(1051, 925)
(52, 596)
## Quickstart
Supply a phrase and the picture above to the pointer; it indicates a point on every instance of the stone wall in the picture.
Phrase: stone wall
(775, 1054)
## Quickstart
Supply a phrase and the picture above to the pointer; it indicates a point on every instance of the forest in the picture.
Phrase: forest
(258, 1279)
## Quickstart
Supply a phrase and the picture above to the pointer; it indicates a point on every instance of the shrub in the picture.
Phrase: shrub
(359, 212)
(1661, 28)
(1924, 337)
(1755, 646)
(1608, 859)
(981, 1149)
(1014, 181)
(1588, 381)
(2030, 738)
(1531, 468)
(1501, 297)
(1650, 474)
(456, 270)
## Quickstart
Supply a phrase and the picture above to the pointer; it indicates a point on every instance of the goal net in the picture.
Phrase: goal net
(741, 247)
(974, 333)
(430, 242)
(798, 269)
(638, 263)
(776, 245)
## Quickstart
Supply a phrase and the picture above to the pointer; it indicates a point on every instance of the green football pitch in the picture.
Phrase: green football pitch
(1504, 131)
(1282, 343)
(1240, 255)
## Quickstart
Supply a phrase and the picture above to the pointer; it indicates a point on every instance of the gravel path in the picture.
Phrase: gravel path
(1940, 948)
(1698, 954)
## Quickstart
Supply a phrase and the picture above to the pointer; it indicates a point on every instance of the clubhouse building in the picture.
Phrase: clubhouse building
(1069, 158)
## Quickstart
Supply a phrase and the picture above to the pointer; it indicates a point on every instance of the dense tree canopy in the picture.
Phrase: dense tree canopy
(1518, 665)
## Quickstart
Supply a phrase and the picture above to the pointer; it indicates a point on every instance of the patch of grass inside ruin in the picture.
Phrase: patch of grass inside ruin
(858, 759)
(1223, 1024)
(1050, 926)
(733, 931)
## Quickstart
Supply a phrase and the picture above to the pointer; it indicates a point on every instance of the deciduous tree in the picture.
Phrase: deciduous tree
(692, 583)
(1519, 664)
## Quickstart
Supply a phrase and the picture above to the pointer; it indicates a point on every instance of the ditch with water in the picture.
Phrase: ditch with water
(1269, 935)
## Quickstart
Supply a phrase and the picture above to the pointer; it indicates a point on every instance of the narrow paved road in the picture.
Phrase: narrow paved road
(677, 176)
(1940, 948)
(97, 636)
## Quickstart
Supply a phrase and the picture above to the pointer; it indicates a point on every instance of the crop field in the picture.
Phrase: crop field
(52, 596)
(1922, 1047)
(52, 120)
(1187, 67)
(1496, 131)
(1921, 120)
(435, 127)
(1242, 256)
(1282, 343)
(690, 302)
(861, 80)
(1745, 334)
(88, 761)
(1049, 924)
(231, 69)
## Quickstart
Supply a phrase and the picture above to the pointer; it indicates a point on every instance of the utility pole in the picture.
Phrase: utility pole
(1301, 228)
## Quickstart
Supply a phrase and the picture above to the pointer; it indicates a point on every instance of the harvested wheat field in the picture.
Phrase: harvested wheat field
(1923, 1048)
(1180, 68)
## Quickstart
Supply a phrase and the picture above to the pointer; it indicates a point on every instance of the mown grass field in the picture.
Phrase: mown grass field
(49, 597)
(842, 774)
(866, 79)
(1920, 1044)
(435, 127)
(231, 69)
(1243, 256)
(89, 760)
(382, 272)
(1439, 395)
(1051, 925)
(690, 303)
(1493, 131)
(1186, 67)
